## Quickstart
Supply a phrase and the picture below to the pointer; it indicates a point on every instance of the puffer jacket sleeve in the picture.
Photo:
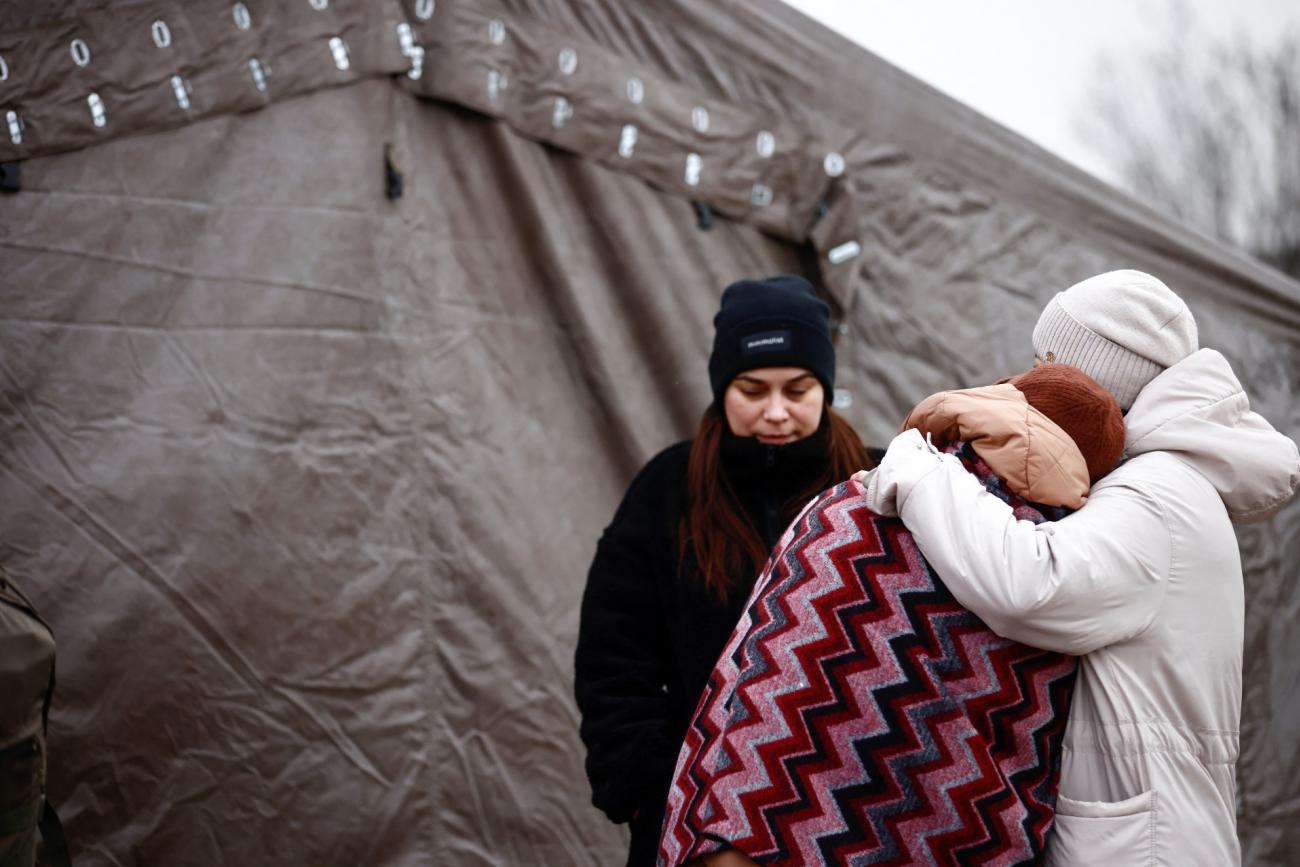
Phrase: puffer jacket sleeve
(623, 656)
(1073, 586)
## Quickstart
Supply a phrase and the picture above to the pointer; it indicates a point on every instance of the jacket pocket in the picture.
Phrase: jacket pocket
(1114, 833)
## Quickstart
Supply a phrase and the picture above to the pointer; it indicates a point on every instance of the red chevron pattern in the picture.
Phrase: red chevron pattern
(860, 715)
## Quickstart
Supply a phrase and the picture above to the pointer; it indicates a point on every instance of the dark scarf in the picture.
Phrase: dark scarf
(774, 482)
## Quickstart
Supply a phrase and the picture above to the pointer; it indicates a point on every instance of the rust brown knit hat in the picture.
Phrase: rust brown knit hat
(1081, 407)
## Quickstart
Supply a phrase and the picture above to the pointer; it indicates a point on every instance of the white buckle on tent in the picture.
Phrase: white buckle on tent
(97, 114)
(80, 52)
(162, 34)
(411, 51)
(568, 61)
(496, 82)
(417, 63)
(694, 167)
(833, 164)
(843, 399)
(243, 20)
(181, 88)
(635, 90)
(405, 38)
(700, 119)
(627, 141)
(4, 68)
(760, 196)
(496, 31)
(319, 5)
(339, 49)
(844, 252)
(424, 9)
(765, 144)
(259, 74)
(561, 113)
(15, 127)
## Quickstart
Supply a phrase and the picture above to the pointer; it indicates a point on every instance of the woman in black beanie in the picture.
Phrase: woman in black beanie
(673, 569)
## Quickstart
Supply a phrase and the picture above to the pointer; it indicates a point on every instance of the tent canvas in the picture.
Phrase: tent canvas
(306, 478)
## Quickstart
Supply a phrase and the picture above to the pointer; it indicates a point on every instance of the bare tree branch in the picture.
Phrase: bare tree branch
(1208, 128)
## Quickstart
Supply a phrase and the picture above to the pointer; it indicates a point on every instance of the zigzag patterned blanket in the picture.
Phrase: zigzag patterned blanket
(860, 715)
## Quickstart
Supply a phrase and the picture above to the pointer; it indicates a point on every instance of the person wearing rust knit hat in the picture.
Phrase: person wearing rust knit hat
(1082, 408)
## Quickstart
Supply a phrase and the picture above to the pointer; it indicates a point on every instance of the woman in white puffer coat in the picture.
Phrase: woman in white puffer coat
(1144, 582)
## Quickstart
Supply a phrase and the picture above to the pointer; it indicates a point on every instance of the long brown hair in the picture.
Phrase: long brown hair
(727, 545)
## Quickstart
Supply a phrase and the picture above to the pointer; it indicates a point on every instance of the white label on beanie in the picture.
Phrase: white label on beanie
(765, 341)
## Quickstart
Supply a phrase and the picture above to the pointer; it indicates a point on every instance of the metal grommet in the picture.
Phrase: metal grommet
(80, 52)
(833, 164)
(162, 34)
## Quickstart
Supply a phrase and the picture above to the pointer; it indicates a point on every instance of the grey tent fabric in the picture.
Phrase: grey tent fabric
(307, 479)
(326, 528)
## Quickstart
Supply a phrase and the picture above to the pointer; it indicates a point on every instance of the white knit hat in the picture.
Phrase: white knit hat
(1121, 328)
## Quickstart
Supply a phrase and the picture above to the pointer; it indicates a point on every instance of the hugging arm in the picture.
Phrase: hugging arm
(1089, 580)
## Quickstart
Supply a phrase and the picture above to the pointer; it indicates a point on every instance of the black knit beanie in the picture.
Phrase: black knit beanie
(777, 322)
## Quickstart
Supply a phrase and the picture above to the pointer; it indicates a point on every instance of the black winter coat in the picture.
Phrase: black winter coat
(651, 633)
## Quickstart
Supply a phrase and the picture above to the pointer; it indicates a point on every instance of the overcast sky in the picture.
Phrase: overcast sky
(1027, 63)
